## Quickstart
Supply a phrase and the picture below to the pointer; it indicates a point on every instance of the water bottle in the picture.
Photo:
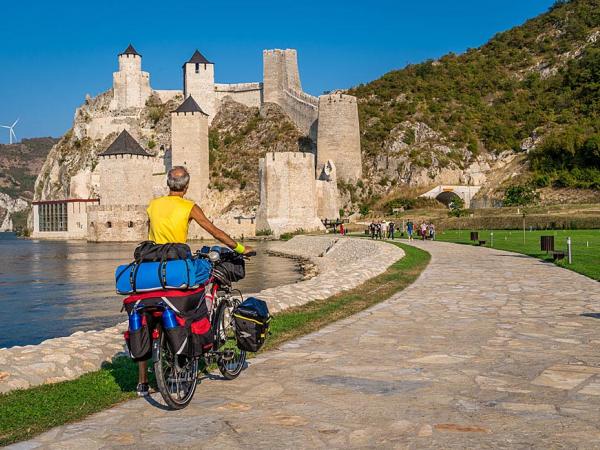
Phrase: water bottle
(169, 320)
(135, 321)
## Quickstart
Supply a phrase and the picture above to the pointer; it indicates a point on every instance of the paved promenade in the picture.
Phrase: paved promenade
(486, 350)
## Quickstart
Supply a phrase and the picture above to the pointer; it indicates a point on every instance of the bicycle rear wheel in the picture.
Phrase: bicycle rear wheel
(231, 359)
(176, 375)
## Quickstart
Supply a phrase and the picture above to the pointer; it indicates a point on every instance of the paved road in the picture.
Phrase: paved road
(486, 350)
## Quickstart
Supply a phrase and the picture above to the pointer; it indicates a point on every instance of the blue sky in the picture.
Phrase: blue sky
(54, 52)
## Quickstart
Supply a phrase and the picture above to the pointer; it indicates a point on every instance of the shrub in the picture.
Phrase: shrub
(264, 232)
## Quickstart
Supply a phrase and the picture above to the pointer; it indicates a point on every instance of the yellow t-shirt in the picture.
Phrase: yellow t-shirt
(169, 219)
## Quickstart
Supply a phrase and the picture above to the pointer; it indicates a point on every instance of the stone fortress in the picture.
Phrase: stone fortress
(297, 190)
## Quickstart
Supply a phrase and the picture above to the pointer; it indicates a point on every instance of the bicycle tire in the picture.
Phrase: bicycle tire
(232, 364)
(170, 385)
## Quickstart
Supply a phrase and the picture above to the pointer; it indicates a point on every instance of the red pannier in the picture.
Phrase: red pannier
(193, 337)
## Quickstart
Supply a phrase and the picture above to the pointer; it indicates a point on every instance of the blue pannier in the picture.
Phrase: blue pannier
(154, 276)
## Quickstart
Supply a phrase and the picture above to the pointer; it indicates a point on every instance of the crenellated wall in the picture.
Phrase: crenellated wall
(249, 94)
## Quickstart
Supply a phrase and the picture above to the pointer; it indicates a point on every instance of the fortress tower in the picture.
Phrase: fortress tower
(288, 193)
(338, 136)
(280, 73)
(199, 82)
(131, 86)
(189, 145)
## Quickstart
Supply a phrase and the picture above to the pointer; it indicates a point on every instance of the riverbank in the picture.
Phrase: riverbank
(29, 412)
(342, 264)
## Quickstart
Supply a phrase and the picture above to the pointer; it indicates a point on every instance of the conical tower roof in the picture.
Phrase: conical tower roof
(189, 105)
(130, 51)
(198, 58)
(124, 144)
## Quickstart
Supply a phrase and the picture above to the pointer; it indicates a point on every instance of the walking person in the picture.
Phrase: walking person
(391, 227)
(409, 229)
(384, 230)
(423, 230)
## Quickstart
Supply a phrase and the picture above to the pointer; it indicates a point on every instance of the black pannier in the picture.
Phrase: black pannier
(151, 251)
(252, 321)
(138, 342)
(230, 269)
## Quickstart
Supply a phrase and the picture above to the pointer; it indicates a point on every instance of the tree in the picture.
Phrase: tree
(456, 207)
(520, 195)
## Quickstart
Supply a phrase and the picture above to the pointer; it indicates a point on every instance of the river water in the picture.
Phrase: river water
(54, 288)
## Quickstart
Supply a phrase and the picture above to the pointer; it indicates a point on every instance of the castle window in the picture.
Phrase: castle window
(197, 67)
(130, 224)
(108, 224)
(52, 216)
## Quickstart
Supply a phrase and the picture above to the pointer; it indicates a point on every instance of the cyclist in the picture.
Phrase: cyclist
(169, 218)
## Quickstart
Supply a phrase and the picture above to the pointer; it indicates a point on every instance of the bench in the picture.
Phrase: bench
(556, 256)
(481, 243)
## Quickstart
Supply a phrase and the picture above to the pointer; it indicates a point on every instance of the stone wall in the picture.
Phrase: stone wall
(117, 223)
(189, 148)
(288, 197)
(131, 86)
(167, 95)
(237, 229)
(249, 94)
(338, 137)
(199, 82)
(100, 126)
(327, 200)
(125, 179)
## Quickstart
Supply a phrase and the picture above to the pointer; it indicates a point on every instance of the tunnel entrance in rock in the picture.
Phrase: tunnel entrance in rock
(447, 197)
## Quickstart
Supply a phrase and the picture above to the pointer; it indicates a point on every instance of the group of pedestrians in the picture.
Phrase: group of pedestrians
(382, 230)
(423, 231)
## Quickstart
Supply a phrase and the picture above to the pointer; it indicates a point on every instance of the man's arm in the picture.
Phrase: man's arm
(198, 215)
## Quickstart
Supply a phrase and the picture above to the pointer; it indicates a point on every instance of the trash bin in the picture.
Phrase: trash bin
(547, 243)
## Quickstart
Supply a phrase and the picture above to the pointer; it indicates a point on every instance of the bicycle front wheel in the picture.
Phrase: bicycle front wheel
(231, 359)
(176, 375)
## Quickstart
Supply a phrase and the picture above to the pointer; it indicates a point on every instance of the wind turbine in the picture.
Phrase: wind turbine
(11, 132)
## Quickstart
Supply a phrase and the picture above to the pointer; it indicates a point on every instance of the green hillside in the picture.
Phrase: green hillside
(540, 80)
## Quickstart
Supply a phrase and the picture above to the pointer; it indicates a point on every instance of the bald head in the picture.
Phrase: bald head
(178, 179)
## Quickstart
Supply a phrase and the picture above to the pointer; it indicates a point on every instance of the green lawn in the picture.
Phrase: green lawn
(585, 245)
(25, 413)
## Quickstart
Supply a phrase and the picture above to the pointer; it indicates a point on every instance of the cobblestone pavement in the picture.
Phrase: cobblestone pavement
(487, 349)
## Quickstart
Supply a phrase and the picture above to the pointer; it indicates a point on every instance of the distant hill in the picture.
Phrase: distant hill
(533, 91)
(21, 163)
